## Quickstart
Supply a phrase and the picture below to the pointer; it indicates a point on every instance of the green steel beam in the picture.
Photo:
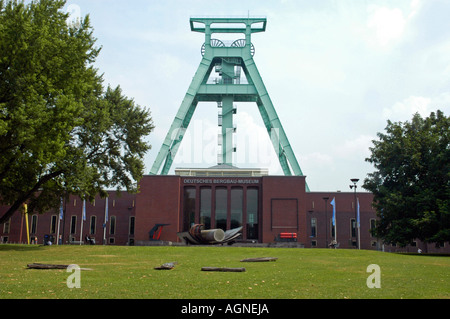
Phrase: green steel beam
(271, 120)
(222, 21)
(180, 123)
(227, 130)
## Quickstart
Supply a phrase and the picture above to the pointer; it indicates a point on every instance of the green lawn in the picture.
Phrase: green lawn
(127, 272)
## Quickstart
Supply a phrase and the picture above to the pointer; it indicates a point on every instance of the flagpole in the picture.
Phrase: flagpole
(106, 220)
(359, 238)
(335, 232)
(334, 220)
(21, 226)
(358, 223)
(26, 223)
(104, 234)
(57, 234)
(59, 221)
(354, 181)
(82, 220)
(81, 232)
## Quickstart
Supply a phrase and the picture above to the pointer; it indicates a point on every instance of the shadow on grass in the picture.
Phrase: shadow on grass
(13, 247)
(426, 254)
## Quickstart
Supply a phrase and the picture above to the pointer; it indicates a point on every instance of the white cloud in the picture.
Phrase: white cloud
(388, 24)
(356, 148)
(316, 159)
(167, 65)
(415, 7)
(199, 145)
(404, 110)
(253, 144)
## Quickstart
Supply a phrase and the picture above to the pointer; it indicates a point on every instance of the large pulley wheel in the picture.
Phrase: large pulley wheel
(242, 43)
(215, 43)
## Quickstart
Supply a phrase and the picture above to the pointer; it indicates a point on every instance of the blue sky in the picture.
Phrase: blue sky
(336, 71)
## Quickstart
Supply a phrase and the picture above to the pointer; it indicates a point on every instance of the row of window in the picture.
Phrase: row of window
(73, 225)
(351, 206)
(353, 228)
(373, 243)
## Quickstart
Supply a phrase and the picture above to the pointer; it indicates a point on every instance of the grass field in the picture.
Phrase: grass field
(127, 272)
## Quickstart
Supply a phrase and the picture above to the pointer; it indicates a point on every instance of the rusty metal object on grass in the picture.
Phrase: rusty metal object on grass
(197, 235)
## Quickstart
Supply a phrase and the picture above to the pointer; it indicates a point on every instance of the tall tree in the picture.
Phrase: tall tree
(61, 132)
(411, 185)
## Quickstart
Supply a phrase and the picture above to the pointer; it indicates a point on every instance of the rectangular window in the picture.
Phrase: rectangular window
(221, 208)
(34, 221)
(313, 227)
(332, 228)
(73, 224)
(112, 225)
(237, 205)
(373, 224)
(189, 207)
(205, 207)
(53, 222)
(252, 213)
(7, 226)
(353, 227)
(93, 225)
(132, 221)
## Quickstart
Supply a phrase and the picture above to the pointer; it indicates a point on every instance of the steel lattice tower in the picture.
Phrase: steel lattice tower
(228, 60)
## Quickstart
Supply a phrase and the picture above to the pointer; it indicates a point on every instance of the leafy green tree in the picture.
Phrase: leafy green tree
(61, 132)
(411, 184)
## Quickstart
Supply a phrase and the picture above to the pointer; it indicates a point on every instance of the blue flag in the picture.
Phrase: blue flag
(106, 211)
(333, 203)
(61, 210)
(84, 209)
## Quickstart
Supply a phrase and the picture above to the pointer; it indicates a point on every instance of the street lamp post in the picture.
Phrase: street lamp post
(354, 181)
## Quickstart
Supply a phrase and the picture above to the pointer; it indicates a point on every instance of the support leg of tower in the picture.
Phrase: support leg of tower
(227, 130)
(181, 122)
(273, 125)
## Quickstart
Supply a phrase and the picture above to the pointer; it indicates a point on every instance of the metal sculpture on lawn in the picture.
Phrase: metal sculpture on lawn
(197, 235)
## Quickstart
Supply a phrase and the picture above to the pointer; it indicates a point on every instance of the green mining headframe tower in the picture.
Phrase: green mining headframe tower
(228, 60)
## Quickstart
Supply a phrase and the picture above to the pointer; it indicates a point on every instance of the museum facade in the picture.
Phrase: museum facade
(272, 210)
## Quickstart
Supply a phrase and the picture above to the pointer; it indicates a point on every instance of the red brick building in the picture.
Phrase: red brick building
(72, 228)
(265, 206)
